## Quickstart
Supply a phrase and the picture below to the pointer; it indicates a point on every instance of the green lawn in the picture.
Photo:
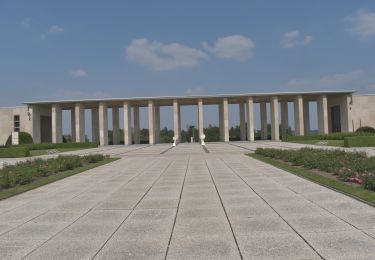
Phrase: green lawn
(52, 178)
(343, 187)
(54, 151)
(337, 143)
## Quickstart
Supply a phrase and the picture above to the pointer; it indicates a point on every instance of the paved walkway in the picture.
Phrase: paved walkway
(185, 203)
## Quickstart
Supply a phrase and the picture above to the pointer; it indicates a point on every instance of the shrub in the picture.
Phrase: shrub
(14, 152)
(369, 182)
(347, 166)
(25, 172)
(24, 138)
(365, 129)
(359, 141)
(332, 136)
(93, 158)
(46, 146)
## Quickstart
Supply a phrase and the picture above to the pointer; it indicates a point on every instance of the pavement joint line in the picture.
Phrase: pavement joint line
(323, 208)
(165, 151)
(178, 208)
(225, 212)
(205, 149)
(134, 207)
(330, 212)
(89, 210)
(25, 204)
(242, 147)
(132, 150)
(260, 196)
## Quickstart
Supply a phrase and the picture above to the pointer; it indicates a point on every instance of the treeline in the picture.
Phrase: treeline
(212, 133)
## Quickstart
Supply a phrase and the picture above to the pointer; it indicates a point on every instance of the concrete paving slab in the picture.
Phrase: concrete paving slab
(343, 244)
(185, 204)
(275, 246)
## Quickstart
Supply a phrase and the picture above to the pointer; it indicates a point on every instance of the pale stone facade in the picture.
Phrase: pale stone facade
(336, 111)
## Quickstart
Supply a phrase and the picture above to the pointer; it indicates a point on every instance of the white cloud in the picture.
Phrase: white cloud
(292, 39)
(195, 91)
(69, 94)
(362, 24)
(26, 23)
(163, 57)
(78, 73)
(237, 47)
(55, 29)
(350, 80)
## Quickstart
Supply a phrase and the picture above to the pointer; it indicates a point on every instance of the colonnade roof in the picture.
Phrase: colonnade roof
(192, 100)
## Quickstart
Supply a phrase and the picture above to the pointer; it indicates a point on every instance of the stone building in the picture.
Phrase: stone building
(337, 111)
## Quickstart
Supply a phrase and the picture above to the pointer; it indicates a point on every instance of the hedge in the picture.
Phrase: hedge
(28, 171)
(359, 141)
(332, 136)
(366, 129)
(46, 146)
(347, 166)
(14, 152)
(23, 138)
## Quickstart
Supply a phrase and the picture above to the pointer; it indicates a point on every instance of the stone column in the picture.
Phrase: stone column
(176, 120)
(80, 122)
(127, 124)
(115, 125)
(226, 119)
(73, 125)
(306, 117)
(34, 112)
(250, 119)
(151, 121)
(157, 124)
(284, 119)
(298, 115)
(345, 115)
(103, 124)
(221, 122)
(241, 107)
(95, 125)
(263, 120)
(136, 125)
(322, 108)
(275, 118)
(200, 117)
(56, 124)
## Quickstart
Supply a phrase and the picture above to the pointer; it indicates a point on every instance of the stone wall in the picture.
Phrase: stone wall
(6, 122)
(363, 113)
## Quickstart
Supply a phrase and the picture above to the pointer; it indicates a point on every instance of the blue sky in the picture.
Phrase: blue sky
(87, 49)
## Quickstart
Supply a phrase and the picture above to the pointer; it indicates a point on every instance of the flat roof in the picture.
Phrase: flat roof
(192, 97)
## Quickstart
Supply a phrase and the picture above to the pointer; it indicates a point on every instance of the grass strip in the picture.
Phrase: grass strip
(337, 143)
(58, 150)
(355, 192)
(52, 178)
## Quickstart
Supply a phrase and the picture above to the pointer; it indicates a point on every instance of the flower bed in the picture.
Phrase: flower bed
(352, 167)
(26, 172)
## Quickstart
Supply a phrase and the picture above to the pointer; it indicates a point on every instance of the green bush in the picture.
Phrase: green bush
(369, 182)
(29, 171)
(24, 138)
(365, 129)
(359, 141)
(348, 166)
(47, 146)
(93, 158)
(14, 152)
(332, 136)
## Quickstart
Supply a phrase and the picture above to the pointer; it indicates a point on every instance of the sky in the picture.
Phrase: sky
(51, 50)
